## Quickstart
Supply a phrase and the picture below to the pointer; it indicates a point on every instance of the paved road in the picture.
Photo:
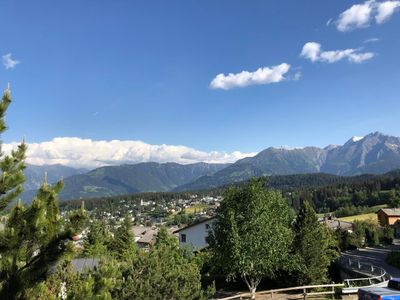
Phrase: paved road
(376, 256)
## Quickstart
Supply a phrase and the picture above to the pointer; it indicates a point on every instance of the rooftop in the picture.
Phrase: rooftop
(392, 212)
(79, 265)
(84, 264)
(144, 234)
(206, 219)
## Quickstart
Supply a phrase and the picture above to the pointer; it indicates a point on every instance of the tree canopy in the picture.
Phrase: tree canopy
(251, 237)
(315, 247)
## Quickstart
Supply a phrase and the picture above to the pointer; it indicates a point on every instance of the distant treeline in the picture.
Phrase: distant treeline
(325, 192)
(114, 202)
(365, 190)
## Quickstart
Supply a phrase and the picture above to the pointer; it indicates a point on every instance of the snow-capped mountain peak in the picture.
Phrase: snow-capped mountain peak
(357, 138)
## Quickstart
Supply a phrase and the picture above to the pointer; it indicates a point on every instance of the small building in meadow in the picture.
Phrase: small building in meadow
(194, 235)
(388, 216)
(335, 224)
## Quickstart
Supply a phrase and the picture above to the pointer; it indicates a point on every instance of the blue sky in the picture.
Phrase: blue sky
(141, 70)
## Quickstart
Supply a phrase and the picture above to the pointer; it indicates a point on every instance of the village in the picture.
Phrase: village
(190, 220)
(194, 236)
(148, 216)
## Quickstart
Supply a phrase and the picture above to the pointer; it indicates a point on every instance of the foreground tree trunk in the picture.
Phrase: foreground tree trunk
(252, 284)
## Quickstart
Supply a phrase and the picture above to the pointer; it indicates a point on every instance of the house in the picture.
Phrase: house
(194, 236)
(335, 224)
(388, 216)
(145, 236)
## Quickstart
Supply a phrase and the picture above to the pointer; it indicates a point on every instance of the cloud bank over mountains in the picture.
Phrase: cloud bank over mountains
(86, 153)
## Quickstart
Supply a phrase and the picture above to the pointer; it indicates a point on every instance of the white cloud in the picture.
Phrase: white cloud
(86, 153)
(8, 62)
(297, 76)
(361, 15)
(264, 75)
(385, 10)
(357, 16)
(313, 52)
(371, 40)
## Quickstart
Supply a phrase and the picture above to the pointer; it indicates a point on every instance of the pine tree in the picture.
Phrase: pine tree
(314, 245)
(97, 240)
(164, 238)
(34, 240)
(35, 237)
(124, 242)
(12, 165)
(163, 272)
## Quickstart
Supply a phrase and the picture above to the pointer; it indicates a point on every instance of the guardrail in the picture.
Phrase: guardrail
(305, 292)
(374, 276)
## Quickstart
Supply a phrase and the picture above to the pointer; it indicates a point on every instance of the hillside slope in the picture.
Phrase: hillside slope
(376, 153)
(127, 179)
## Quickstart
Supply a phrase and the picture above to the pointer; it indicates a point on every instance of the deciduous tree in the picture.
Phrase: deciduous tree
(251, 237)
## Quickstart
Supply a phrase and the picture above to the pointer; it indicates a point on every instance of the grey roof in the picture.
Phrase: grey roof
(143, 234)
(206, 219)
(79, 265)
(84, 264)
(391, 212)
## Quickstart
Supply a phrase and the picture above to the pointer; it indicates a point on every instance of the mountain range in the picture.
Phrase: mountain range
(123, 179)
(375, 153)
(34, 175)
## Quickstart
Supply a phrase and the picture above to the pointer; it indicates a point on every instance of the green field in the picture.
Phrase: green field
(363, 217)
(196, 208)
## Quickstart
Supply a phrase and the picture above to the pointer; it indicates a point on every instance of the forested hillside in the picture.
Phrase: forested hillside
(325, 192)
(34, 174)
(129, 179)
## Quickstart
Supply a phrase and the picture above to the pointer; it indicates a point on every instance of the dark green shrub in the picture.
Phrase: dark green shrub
(393, 258)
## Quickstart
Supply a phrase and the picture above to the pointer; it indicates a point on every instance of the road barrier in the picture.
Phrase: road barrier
(371, 276)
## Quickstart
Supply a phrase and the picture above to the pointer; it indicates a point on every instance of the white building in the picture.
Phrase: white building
(194, 236)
